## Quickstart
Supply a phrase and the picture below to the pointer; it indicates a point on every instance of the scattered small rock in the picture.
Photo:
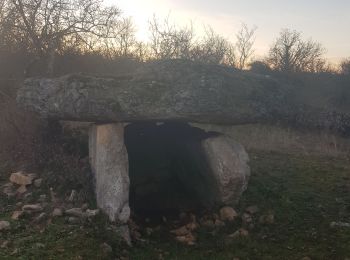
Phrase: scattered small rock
(28, 195)
(267, 219)
(21, 178)
(72, 196)
(247, 218)
(90, 213)
(17, 214)
(188, 239)
(76, 212)
(57, 212)
(52, 195)
(85, 206)
(339, 224)
(252, 209)
(4, 244)
(192, 226)
(136, 235)
(14, 252)
(22, 189)
(9, 190)
(149, 231)
(40, 218)
(181, 231)
(209, 223)
(4, 225)
(73, 220)
(32, 208)
(239, 233)
(39, 245)
(124, 232)
(38, 182)
(219, 223)
(42, 198)
(228, 214)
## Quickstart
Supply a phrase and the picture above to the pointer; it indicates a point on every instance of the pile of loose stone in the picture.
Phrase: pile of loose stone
(44, 207)
(185, 226)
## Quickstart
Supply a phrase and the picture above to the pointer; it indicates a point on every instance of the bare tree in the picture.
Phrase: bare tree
(290, 53)
(212, 48)
(48, 25)
(244, 45)
(345, 66)
(121, 40)
(230, 58)
(141, 51)
(169, 41)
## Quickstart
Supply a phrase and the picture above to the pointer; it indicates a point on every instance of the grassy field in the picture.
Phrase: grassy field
(305, 194)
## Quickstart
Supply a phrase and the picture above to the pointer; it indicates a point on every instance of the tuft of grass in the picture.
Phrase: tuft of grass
(276, 138)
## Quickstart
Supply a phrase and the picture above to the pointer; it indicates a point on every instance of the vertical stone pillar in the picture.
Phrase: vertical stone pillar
(229, 169)
(109, 162)
(92, 147)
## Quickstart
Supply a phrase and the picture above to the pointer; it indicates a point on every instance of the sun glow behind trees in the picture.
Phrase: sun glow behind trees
(54, 27)
(325, 21)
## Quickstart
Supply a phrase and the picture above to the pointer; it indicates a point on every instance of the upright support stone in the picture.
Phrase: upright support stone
(92, 147)
(109, 162)
(228, 163)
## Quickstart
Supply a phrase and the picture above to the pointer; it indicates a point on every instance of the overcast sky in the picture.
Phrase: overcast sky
(326, 21)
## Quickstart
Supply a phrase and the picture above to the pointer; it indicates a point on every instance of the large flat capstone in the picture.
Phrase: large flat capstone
(157, 91)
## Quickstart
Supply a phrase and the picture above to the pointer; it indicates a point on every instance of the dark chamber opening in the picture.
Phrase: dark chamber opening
(161, 158)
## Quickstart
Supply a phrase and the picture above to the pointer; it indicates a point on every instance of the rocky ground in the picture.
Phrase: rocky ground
(295, 208)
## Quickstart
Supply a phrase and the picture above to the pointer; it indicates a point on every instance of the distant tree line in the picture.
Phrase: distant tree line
(38, 33)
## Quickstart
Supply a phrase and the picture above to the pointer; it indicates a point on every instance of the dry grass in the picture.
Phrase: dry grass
(287, 140)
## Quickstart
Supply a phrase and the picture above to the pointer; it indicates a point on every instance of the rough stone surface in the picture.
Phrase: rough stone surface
(228, 214)
(17, 214)
(90, 213)
(185, 90)
(164, 90)
(92, 147)
(229, 170)
(38, 182)
(73, 220)
(110, 164)
(75, 212)
(22, 189)
(239, 233)
(9, 189)
(42, 216)
(32, 208)
(252, 209)
(57, 212)
(21, 178)
(4, 225)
